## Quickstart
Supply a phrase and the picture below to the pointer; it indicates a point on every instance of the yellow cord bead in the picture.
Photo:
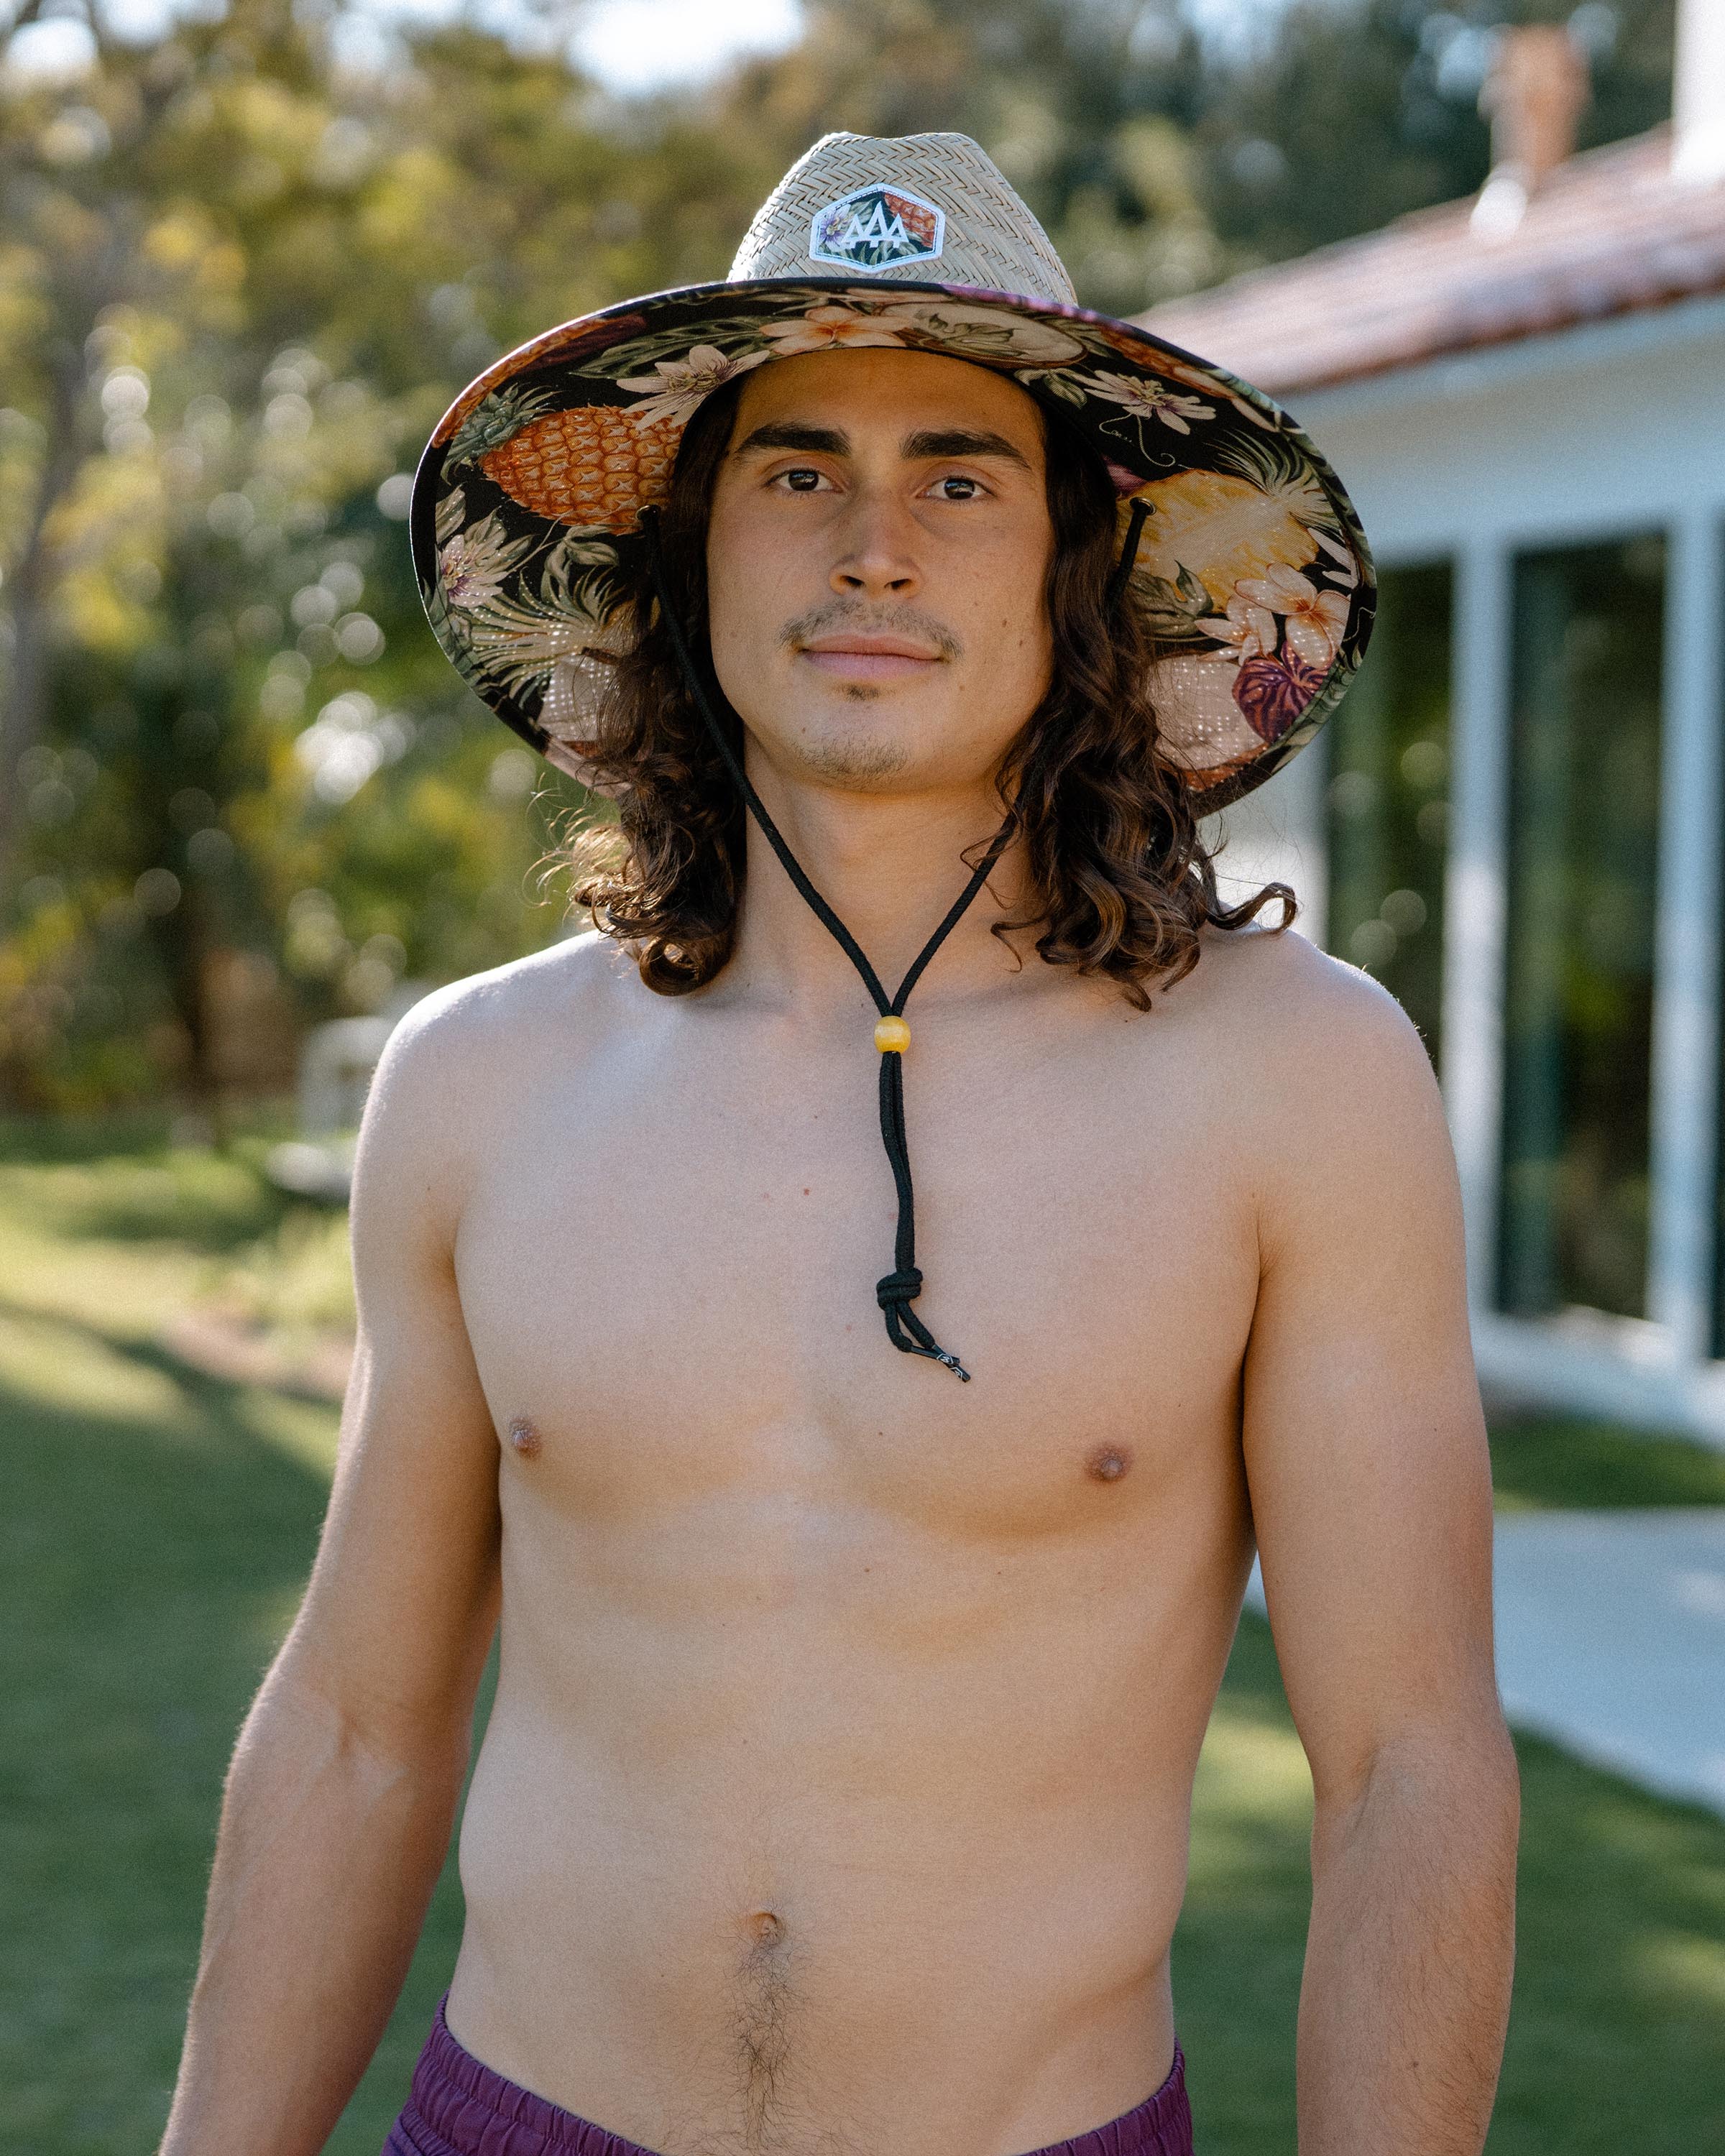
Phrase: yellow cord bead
(892, 1036)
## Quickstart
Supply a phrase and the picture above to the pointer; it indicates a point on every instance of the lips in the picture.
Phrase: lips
(889, 647)
(862, 658)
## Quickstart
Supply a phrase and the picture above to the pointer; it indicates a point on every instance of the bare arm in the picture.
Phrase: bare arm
(346, 1775)
(1371, 1493)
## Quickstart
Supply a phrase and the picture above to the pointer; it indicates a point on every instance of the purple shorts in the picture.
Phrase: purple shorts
(459, 2108)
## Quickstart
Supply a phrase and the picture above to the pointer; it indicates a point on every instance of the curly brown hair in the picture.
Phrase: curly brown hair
(1119, 880)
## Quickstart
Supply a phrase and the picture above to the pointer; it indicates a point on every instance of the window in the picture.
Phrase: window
(1388, 797)
(1583, 859)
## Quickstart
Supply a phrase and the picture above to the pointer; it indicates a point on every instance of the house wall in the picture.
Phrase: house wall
(1591, 434)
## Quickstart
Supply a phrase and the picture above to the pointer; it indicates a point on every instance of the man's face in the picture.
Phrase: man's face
(877, 557)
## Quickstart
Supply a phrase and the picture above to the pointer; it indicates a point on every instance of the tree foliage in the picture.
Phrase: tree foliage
(239, 787)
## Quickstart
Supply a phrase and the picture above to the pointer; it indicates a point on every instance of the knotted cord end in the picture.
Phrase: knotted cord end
(894, 1293)
(896, 1289)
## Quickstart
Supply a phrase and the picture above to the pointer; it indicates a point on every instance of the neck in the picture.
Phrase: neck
(889, 866)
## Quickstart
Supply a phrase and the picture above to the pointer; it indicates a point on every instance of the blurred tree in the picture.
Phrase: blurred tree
(240, 282)
(237, 287)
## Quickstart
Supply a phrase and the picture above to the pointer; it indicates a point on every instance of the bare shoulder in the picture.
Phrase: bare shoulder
(1307, 1058)
(478, 1017)
(1294, 999)
(462, 1051)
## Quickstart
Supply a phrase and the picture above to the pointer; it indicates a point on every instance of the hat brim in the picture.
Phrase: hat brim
(1252, 569)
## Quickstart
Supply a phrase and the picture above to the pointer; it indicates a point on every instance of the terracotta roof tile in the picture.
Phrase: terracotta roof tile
(1609, 233)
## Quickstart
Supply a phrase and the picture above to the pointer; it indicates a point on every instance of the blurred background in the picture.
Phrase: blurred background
(249, 254)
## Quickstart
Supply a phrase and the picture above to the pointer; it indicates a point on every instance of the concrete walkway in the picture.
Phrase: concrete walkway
(1611, 1641)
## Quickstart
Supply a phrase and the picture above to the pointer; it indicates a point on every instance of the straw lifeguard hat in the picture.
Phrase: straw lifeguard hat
(1251, 567)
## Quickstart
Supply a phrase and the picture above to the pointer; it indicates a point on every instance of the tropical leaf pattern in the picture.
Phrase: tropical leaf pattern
(1251, 567)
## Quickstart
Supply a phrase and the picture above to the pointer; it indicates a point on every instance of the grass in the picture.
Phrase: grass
(1617, 2034)
(156, 1528)
(1553, 1459)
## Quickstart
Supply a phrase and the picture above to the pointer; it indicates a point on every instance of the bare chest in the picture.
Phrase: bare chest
(668, 1268)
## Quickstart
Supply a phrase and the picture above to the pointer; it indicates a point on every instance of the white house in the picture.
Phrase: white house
(1515, 819)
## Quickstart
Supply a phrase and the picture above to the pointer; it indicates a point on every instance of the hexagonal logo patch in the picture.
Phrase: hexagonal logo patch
(876, 226)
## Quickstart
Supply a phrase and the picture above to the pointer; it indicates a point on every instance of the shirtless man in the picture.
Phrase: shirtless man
(835, 1795)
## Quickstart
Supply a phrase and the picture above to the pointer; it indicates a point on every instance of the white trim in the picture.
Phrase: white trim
(1488, 367)
(1616, 1370)
(1686, 999)
(1698, 94)
(1474, 907)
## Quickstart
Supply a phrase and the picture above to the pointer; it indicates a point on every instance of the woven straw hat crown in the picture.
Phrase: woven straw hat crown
(987, 237)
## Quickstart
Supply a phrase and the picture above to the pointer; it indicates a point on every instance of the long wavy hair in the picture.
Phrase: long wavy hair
(1119, 881)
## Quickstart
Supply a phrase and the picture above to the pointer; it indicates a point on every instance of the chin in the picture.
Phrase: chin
(869, 761)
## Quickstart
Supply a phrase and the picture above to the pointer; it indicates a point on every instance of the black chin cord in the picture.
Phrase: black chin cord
(1121, 574)
(897, 1290)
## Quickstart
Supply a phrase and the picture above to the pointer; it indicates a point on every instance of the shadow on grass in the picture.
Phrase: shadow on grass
(42, 1141)
(135, 1133)
(211, 1202)
(148, 1566)
(125, 1179)
(1554, 1461)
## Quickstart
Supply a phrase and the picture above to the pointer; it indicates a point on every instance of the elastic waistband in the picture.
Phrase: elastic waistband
(460, 2106)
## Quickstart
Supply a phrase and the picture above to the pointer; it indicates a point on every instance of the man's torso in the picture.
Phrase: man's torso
(837, 1786)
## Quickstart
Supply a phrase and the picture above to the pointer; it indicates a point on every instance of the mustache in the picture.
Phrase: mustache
(870, 621)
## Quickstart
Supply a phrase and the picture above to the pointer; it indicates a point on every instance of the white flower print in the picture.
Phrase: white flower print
(677, 387)
(1177, 370)
(987, 332)
(826, 328)
(1249, 628)
(476, 563)
(1147, 400)
(1316, 620)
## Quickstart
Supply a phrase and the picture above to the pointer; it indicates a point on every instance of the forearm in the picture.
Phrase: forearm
(328, 1851)
(1405, 1996)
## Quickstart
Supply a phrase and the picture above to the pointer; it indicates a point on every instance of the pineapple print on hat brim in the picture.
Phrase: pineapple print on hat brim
(1251, 570)
(588, 465)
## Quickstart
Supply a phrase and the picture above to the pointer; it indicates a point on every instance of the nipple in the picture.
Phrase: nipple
(526, 1439)
(1108, 1463)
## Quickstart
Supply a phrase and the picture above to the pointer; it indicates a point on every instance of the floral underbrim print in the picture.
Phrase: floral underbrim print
(1251, 569)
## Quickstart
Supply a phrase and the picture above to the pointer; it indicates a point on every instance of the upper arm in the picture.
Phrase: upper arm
(1364, 1441)
(398, 1617)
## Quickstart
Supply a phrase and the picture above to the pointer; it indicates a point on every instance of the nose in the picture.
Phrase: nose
(876, 559)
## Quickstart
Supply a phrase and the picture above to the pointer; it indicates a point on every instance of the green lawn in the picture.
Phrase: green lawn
(156, 1527)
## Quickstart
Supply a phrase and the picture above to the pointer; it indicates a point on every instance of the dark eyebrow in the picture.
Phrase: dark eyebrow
(832, 442)
(786, 434)
(962, 442)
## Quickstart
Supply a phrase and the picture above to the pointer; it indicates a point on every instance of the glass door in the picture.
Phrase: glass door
(1388, 806)
(1583, 861)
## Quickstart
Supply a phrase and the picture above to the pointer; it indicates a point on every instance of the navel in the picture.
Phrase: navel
(765, 1929)
(1108, 1463)
(524, 1439)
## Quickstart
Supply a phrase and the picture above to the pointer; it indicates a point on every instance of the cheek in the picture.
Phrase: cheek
(748, 576)
(1012, 614)
(730, 621)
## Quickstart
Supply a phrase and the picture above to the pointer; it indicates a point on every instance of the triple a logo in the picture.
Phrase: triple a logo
(875, 225)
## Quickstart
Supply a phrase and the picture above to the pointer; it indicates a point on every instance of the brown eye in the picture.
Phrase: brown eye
(968, 489)
(802, 480)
